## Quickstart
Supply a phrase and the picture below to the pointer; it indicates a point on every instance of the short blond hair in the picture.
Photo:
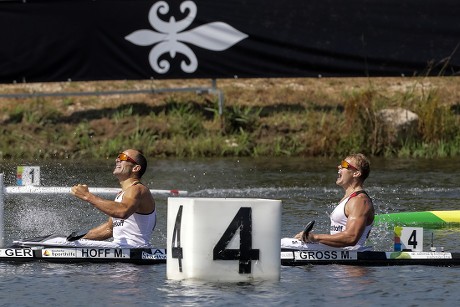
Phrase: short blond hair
(362, 163)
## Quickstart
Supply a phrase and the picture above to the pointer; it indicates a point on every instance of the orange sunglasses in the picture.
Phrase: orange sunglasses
(345, 164)
(124, 157)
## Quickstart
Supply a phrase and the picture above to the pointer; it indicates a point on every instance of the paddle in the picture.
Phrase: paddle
(74, 236)
(307, 230)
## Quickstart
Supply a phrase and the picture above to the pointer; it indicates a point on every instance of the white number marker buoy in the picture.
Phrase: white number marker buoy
(223, 239)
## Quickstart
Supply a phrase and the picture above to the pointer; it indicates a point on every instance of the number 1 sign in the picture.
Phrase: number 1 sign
(28, 175)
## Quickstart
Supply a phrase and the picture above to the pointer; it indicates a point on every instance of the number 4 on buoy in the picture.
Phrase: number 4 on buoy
(408, 239)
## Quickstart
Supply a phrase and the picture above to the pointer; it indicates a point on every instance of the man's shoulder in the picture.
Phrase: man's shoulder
(360, 201)
(360, 196)
(139, 186)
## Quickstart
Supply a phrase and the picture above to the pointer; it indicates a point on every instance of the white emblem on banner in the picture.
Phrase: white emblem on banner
(215, 36)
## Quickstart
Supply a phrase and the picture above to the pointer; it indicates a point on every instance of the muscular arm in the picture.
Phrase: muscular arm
(101, 232)
(130, 203)
(360, 213)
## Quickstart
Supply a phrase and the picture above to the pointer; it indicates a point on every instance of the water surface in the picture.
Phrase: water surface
(308, 191)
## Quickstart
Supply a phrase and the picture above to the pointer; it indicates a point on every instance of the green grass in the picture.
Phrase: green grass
(183, 127)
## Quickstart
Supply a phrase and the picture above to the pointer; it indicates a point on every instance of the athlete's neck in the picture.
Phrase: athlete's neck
(128, 183)
(351, 189)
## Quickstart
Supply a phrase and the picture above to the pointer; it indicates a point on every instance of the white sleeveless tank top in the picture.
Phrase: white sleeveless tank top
(136, 230)
(339, 220)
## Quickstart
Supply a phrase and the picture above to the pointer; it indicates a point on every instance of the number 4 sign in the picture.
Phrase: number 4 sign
(408, 238)
(223, 239)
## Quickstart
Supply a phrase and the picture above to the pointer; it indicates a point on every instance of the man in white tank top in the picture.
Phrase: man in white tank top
(351, 220)
(132, 215)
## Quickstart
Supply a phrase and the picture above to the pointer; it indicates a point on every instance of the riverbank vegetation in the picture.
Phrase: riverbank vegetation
(261, 117)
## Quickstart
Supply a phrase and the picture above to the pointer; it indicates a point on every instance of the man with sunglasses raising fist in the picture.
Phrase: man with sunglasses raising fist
(351, 220)
(132, 215)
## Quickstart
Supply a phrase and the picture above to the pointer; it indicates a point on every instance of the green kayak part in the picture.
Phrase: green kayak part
(429, 218)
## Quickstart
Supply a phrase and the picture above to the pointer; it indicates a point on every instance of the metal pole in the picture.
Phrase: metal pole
(2, 205)
(220, 96)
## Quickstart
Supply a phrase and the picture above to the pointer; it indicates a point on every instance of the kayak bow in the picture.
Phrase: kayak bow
(436, 219)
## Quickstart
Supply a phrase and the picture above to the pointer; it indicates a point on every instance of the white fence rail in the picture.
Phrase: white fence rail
(63, 190)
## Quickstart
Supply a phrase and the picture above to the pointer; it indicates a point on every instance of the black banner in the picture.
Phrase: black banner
(83, 40)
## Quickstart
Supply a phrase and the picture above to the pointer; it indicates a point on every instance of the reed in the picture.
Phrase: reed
(294, 124)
